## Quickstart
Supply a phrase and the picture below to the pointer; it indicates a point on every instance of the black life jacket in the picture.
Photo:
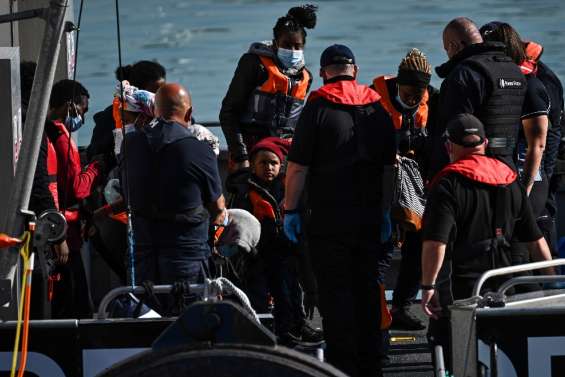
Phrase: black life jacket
(501, 112)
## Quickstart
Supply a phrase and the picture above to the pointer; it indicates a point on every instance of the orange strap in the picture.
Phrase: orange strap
(386, 318)
(421, 117)
(117, 112)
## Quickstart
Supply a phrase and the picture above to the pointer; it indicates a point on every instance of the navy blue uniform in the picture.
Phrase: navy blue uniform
(171, 177)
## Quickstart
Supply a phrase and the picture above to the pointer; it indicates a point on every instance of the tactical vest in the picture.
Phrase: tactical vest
(278, 102)
(501, 111)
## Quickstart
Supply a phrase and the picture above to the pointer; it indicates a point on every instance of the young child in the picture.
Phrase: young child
(274, 269)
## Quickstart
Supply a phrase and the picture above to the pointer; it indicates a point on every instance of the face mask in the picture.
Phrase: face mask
(73, 123)
(405, 106)
(290, 58)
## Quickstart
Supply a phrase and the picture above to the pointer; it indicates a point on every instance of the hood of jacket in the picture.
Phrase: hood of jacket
(533, 50)
(479, 168)
(346, 92)
(243, 230)
(265, 48)
(161, 133)
(478, 48)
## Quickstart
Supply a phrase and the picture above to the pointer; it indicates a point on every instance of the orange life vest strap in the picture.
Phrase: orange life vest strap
(117, 112)
(278, 82)
(262, 209)
(421, 117)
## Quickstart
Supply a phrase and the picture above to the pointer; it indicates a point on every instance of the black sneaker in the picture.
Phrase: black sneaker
(403, 319)
(288, 340)
(311, 335)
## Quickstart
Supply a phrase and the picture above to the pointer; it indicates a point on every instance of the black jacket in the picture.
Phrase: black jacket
(249, 74)
(102, 141)
(41, 198)
(346, 138)
(240, 185)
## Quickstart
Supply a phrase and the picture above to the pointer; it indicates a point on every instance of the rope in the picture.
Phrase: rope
(224, 285)
(65, 183)
(24, 253)
(131, 238)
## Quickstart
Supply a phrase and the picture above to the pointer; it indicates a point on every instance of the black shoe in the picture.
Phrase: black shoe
(311, 335)
(403, 319)
(288, 340)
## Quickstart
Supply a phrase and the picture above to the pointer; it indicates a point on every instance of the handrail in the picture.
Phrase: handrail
(528, 280)
(512, 269)
(116, 292)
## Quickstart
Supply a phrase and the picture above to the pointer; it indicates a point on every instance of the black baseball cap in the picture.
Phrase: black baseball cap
(463, 125)
(336, 54)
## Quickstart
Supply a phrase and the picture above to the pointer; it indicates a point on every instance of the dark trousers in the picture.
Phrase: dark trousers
(346, 271)
(277, 275)
(71, 295)
(410, 271)
(169, 266)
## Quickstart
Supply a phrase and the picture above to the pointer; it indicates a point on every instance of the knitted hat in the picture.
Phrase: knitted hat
(278, 146)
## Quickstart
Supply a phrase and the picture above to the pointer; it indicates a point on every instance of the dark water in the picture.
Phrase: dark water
(200, 41)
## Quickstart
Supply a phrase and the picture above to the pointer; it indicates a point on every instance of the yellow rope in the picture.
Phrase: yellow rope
(24, 252)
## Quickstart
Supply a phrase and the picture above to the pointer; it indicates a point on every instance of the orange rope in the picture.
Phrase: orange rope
(23, 358)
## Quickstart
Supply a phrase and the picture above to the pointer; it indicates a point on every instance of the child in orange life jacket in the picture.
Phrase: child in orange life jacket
(274, 269)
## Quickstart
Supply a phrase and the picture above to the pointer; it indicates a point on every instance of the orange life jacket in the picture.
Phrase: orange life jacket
(533, 51)
(421, 116)
(277, 103)
(278, 82)
(262, 209)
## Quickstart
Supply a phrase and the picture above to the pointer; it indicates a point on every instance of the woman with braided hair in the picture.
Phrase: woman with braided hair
(267, 92)
(411, 102)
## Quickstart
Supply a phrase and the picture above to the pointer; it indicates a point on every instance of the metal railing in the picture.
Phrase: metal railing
(513, 269)
(529, 280)
(200, 289)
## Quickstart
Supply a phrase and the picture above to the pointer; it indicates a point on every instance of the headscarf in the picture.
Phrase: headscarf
(136, 100)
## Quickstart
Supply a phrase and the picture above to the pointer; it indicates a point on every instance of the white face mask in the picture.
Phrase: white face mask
(290, 58)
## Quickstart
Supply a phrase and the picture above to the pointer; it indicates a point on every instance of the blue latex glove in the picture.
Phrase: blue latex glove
(292, 226)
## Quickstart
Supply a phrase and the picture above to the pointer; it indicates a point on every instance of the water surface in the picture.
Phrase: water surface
(200, 41)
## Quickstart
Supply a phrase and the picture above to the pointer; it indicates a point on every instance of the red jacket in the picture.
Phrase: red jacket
(71, 179)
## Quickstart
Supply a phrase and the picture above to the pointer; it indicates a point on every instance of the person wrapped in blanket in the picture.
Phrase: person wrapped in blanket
(274, 270)
(108, 233)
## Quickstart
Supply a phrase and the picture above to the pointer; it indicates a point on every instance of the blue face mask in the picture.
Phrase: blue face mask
(290, 58)
(73, 123)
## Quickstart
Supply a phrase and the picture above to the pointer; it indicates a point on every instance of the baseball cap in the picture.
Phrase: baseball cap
(337, 54)
(463, 125)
